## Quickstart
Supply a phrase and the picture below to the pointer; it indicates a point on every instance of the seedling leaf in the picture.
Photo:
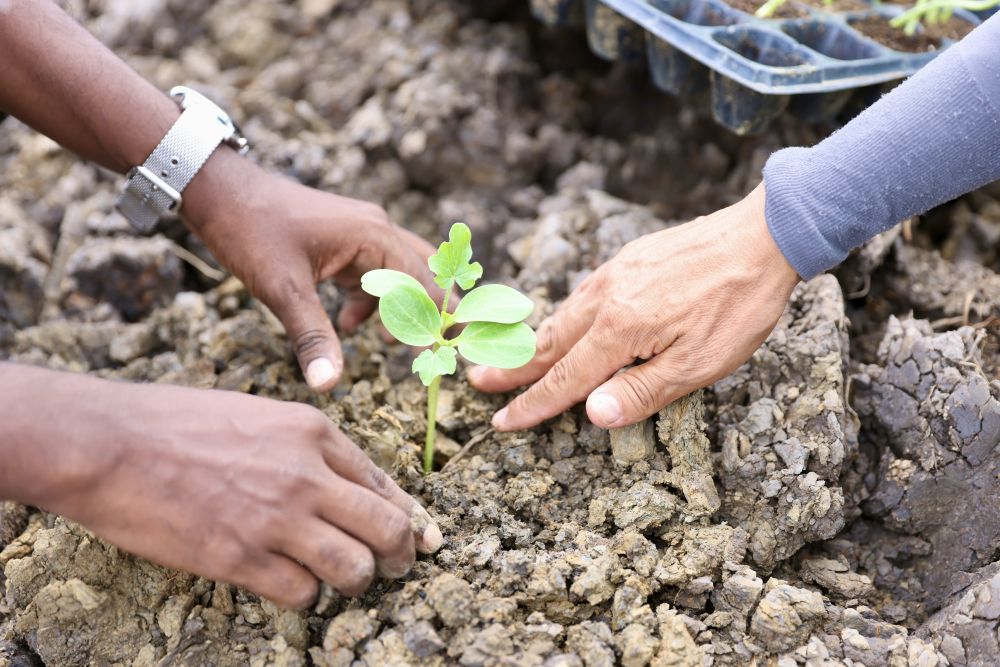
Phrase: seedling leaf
(494, 303)
(497, 345)
(495, 335)
(433, 363)
(450, 263)
(410, 315)
(380, 281)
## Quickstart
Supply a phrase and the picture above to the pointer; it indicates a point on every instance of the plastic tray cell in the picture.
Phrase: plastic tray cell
(739, 107)
(809, 62)
(671, 69)
(558, 12)
(611, 35)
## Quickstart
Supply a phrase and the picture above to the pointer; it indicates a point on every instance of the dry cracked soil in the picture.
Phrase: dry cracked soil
(833, 502)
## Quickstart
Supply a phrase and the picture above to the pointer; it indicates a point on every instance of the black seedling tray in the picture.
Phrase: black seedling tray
(754, 68)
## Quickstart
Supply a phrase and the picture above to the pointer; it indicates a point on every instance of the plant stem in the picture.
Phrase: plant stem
(432, 404)
(432, 392)
(768, 9)
(447, 299)
(912, 16)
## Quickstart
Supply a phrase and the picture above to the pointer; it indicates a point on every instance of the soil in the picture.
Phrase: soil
(953, 28)
(878, 28)
(833, 502)
(789, 10)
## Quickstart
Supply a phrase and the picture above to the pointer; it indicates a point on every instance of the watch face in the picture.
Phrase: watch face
(188, 97)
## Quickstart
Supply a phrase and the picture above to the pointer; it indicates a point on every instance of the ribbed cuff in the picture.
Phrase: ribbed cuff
(789, 192)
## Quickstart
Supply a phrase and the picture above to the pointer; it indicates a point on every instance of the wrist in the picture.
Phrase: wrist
(56, 441)
(132, 144)
(769, 259)
(226, 188)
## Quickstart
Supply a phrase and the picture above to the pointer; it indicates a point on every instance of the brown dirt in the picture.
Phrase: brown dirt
(878, 29)
(953, 28)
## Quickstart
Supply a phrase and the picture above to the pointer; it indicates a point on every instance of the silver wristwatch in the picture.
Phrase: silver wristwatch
(156, 186)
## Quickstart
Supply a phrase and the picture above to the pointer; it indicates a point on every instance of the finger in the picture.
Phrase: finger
(348, 461)
(411, 257)
(568, 382)
(641, 391)
(280, 580)
(555, 337)
(380, 525)
(358, 307)
(309, 328)
(334, 557)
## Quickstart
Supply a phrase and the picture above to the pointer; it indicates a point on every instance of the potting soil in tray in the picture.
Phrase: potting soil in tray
(808, 58)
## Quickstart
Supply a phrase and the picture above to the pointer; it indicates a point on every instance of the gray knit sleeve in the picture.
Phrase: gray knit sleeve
(934, 137)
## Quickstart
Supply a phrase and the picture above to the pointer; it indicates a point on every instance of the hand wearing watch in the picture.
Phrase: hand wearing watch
(157, 185)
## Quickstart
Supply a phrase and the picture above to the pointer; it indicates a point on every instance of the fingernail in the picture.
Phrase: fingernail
(476, 374)
(432, 538)
(605, 407)
(319, 372)
(500, 419)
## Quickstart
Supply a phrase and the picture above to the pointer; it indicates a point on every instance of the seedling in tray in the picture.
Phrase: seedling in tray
(495, 334)
(937, 11)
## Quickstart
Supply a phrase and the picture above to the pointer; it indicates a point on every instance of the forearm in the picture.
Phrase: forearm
(60, 80)
(49, 422)
(57, 78)
(934, 137)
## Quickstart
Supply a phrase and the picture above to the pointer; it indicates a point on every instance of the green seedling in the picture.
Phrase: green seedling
(922, 11)
(769, 8)
(936, 11)
(495, 334)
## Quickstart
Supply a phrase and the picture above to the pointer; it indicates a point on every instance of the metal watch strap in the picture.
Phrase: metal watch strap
(156, 186)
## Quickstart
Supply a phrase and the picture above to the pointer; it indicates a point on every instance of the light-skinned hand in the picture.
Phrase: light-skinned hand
(694, 302)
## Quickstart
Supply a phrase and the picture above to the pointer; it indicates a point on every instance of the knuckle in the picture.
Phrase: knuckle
(283, 289)
(559, 376)
(378, 480)
(642, 391)
(608, 325)
(359, 573)
(299, 480)
(547, 338)
(398, 533)
(313, 422)
(331, 555)
(595, 282)
(376, 215)
(230, 556)
(310, 342)
(300, 592)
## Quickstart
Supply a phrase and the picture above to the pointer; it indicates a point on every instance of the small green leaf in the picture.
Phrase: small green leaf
(410, 315)
(494, 303)
(450, 263)
(380, 281)
(497, 345)
(432, 363)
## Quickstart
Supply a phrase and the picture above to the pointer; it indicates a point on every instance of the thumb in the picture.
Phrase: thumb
(312, 336)
(636, 393)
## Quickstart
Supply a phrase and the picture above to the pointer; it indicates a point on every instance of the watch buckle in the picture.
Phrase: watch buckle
(158, 184)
